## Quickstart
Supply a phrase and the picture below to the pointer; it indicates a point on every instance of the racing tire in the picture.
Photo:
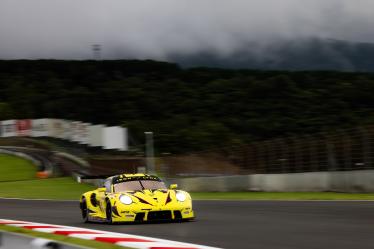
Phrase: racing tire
(84, 210)
(108, 212)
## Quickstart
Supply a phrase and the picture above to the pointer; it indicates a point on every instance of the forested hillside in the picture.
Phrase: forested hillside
(188, 109)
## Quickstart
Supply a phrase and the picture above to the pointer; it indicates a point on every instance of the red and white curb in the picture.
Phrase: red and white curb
(121, 239)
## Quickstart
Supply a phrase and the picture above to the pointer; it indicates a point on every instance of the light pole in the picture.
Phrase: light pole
(149, 152)
(96, 49)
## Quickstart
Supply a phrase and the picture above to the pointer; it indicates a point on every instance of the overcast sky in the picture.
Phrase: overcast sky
(66, 29)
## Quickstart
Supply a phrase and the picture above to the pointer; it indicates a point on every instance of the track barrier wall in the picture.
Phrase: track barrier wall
(358, 181)
(338, 181)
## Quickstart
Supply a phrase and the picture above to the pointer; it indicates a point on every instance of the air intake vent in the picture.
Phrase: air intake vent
(159, 215)
(177, 215)
(139, 217)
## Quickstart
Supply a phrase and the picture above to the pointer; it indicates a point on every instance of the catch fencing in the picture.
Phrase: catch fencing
(339, 150)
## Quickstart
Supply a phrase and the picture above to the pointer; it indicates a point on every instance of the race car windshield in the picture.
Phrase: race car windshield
(147, 184)
(138, 185)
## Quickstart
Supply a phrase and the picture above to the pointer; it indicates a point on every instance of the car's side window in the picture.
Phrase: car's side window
(107, 185)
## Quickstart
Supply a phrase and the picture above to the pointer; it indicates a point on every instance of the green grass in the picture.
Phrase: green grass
(17, 180)
(14, 168)
(281, 196)
(60, 238)
(64, 188)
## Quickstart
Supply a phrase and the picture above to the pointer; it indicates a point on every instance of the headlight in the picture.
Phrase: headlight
(125, 199)
(180, 196)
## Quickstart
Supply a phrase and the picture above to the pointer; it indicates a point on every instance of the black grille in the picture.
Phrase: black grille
(177, 215)
(139, 217)
(159, 215)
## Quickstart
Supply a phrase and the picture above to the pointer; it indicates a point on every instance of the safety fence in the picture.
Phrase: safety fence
(339, 150)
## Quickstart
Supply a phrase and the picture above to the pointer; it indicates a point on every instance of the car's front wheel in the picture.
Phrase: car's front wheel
(108, 212)
(84, 210)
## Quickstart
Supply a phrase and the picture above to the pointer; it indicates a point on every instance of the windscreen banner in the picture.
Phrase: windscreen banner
(39, 127)
(55, 128)
(96, 135)
(83, 133)
(68, 132)
(113, 138)
(23, 127)
(74, 126)
(9, 128)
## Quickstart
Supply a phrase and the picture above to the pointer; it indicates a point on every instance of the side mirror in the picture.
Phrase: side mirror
(101, 189)
(173, 186)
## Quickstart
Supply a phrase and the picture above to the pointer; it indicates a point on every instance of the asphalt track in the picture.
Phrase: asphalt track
(234, 224)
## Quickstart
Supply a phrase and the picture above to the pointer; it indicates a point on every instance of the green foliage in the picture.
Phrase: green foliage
(6, 112)
(187, 109)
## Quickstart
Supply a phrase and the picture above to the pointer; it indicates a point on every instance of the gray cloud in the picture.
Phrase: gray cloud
(66, 29)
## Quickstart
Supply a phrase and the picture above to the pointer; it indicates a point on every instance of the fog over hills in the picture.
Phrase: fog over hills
(303, 54)
(268, 34)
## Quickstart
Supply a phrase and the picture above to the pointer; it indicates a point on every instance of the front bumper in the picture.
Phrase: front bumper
(153, 215)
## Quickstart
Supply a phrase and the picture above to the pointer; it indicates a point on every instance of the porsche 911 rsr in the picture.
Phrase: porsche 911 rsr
(136, 198)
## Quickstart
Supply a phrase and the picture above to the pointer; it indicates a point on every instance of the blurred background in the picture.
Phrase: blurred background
(250, 87)
(203, 122)
(232, 100)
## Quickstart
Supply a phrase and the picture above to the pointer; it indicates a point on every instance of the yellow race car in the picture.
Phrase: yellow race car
(136, 198)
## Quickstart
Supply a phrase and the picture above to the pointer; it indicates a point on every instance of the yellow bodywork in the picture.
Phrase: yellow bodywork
(147, 205)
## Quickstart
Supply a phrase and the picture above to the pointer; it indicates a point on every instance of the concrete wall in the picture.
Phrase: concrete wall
(352, 181)
(214, 184)
(296, 182)
(344, 181)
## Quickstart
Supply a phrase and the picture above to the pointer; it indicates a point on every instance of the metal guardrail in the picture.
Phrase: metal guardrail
(10, 240)
(356, 181)
(32, 155)
(48, 161)
(20, 154)
(73, 158)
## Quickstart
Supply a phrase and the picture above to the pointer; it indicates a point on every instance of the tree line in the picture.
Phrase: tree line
(187, 109)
